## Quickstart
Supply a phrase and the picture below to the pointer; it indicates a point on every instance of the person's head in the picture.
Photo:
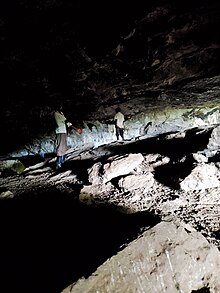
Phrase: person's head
(117, 110)
(58, 107)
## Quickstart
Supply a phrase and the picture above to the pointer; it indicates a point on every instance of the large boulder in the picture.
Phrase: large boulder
(167, 258)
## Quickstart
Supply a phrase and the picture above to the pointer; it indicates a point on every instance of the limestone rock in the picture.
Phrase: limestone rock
(214, 141)
(132, 182)
(167, 258)
(9, 167)
(94, 175)
(6, 194)
(202, 176)
(89, 192)
(121, 166)
(200, 158)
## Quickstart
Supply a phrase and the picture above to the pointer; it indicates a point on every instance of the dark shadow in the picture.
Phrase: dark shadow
(202, 290)
(30, 160)
(79, 168)
(215, 158)
(216, 234)
(172, 173)
(49, 240)
(195, 140)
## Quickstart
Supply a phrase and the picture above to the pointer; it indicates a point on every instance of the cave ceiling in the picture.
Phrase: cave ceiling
(89, 56)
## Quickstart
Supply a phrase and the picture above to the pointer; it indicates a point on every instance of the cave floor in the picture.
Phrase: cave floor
(42, 214)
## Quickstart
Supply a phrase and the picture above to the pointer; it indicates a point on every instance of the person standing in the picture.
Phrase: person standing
(119, 123)
(61, 136)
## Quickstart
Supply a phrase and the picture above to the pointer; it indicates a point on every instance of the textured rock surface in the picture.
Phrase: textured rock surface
(164, 119)
(163, 67)
(121, 166)
(167, 258)
(167, 159)
(201, 177)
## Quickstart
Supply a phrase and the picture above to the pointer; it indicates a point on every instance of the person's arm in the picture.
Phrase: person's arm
(68, 124)
(59, 117)
(115, 119)
(74, 128)
(77, 129)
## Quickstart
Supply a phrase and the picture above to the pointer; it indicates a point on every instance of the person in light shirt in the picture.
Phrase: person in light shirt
(61, 136)
(119, 123)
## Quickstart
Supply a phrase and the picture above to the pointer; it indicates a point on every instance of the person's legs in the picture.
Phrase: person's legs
(117, 132)
(121, 131)
(58, 162)
(61, 149)
(62, 159)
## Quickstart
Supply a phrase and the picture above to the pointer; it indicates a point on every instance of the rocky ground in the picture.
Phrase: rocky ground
(165, 178)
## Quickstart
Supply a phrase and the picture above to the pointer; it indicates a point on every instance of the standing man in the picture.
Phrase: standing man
(119, 123)
(61, 136)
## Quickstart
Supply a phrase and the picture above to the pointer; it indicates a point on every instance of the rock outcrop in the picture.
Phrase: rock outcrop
(167, 258)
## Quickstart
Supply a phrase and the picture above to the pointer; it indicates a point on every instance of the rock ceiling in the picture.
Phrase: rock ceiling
(90, 60)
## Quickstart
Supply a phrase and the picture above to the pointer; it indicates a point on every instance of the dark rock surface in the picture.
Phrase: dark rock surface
(159, 55)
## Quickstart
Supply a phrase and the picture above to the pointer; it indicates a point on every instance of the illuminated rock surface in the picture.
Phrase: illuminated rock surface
(166, 258)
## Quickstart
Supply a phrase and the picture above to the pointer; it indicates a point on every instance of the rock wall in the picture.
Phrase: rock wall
(162, 121)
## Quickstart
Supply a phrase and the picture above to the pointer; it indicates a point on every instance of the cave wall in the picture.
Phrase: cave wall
(145, 124)
(159, 57)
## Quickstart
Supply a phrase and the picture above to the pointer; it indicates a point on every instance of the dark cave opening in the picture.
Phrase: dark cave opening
(172, 173)
(49, 240)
